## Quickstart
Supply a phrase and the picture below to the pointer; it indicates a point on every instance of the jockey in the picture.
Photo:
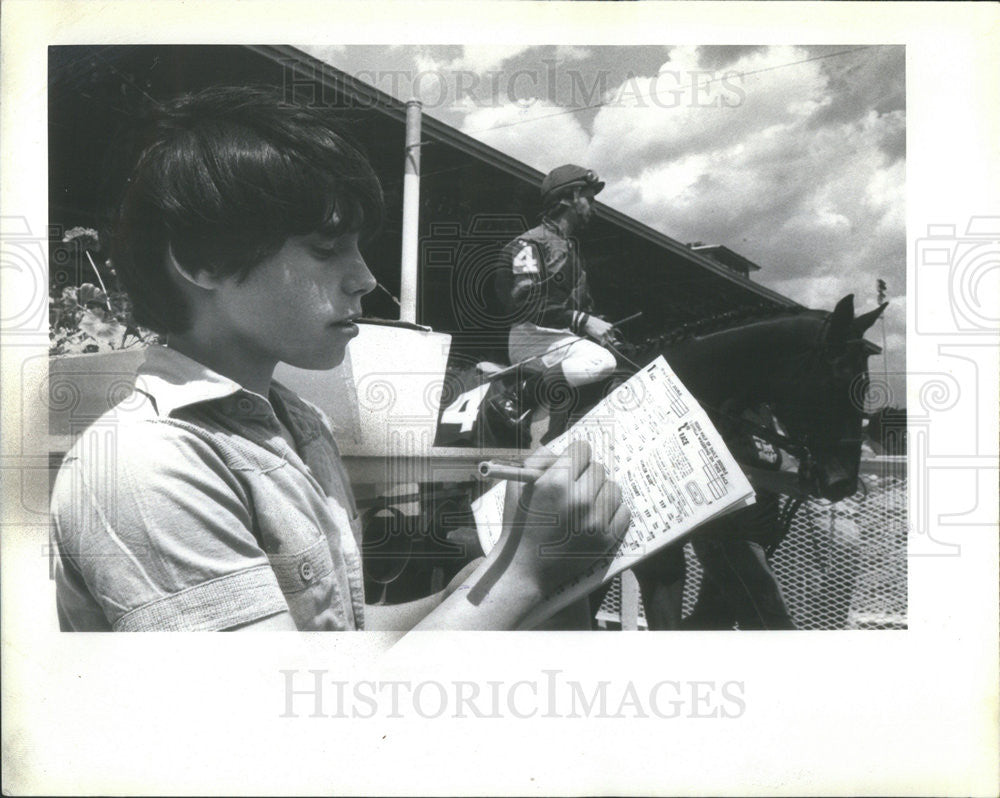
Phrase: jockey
(543, 287)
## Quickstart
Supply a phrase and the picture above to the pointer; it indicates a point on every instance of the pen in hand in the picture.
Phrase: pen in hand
(488, 469)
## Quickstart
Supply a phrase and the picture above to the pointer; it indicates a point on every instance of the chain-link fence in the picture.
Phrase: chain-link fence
(842, 566)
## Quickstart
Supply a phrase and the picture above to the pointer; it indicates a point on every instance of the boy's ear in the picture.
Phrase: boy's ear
(202, 279)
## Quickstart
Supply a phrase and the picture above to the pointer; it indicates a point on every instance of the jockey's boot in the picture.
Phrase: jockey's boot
(559, 397)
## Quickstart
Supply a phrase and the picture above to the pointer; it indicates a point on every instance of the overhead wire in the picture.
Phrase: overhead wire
(603, 103)
(606, 102)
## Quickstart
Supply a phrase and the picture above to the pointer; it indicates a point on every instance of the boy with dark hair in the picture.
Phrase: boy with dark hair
(221, 502)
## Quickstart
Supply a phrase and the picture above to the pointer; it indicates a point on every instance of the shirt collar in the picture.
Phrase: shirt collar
(174, 381)
(557, 230)
(551, 225)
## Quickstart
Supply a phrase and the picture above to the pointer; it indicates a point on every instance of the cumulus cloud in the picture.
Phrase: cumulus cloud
(566, 53)
(795, 163)
(792, 156)
(560, 137)
(476, 58)
(819, 205)
(735, 156)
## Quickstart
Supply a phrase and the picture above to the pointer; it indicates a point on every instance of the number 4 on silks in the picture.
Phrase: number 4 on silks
(525, 261)
(464, 411)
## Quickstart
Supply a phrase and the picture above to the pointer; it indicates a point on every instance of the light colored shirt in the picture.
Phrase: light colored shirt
(184, 508)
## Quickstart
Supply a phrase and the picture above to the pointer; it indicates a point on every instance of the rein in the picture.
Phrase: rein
(797, 445)
(801, 446)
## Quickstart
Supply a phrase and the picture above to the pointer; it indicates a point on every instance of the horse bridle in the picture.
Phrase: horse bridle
(799, 445)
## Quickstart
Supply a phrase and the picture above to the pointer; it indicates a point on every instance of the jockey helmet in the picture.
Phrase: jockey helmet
(561, 181)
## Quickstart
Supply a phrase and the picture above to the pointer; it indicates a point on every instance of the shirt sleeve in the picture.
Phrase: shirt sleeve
(584, 299)
(153, 528)
(525, 289)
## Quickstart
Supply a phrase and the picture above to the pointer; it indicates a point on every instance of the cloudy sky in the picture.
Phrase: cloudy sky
(793, 156)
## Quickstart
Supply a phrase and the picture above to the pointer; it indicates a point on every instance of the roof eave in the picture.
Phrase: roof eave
(434, 128)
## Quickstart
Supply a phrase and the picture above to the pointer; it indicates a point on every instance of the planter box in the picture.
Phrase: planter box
(383, 403)
(81, 388)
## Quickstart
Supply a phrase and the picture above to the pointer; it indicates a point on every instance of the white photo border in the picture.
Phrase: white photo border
(907, 712)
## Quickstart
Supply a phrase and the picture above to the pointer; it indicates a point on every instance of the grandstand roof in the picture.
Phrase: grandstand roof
(473, 196)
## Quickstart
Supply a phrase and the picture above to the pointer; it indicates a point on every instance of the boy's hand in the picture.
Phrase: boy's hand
(567, 518)
(554, 529)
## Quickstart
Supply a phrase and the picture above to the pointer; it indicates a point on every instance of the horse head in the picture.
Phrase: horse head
(821, 399)
(809, 366)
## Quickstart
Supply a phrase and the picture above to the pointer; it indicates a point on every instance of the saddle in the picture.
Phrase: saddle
(488, 408)
(514, 397)
(493, 405)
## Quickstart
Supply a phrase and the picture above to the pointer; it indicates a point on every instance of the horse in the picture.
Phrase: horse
(809, 366)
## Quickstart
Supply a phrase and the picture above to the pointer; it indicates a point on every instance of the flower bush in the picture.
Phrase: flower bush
(88, 317)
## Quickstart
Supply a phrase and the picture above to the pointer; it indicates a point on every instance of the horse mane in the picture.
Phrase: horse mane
(721, 321)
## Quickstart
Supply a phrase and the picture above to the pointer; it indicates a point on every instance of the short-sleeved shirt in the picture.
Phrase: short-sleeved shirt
(184, 508)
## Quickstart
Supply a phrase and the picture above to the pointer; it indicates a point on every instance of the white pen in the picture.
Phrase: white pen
(488, 469)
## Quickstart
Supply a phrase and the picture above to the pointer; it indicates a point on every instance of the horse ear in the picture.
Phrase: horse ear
(866, 320)
(841, 320)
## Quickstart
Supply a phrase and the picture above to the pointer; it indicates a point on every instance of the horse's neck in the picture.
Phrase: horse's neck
(741, 361)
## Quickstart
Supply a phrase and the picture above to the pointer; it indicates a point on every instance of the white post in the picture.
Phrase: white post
(629, 601)
(411, 215)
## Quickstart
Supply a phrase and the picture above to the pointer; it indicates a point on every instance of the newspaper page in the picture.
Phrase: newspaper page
(674, 470)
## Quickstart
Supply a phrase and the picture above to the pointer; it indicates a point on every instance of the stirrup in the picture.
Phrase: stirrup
(506, 409)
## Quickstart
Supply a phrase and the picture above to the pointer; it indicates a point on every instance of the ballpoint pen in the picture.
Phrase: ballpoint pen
(489, 469)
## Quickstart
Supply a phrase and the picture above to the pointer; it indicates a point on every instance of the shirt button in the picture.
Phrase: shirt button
(306, 571)
(245, 405)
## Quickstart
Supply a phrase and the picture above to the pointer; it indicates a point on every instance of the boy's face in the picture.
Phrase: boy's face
(297, 306)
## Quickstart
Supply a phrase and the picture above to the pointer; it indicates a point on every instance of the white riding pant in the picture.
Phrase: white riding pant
(583, 362)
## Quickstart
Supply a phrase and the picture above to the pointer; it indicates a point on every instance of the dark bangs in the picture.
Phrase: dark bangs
(341, 205)
(325, 184)
(258, 191)
(227, 175)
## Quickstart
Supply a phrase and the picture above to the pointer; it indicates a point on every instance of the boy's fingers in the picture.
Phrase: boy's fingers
(620, 522)
(589, 486)
(519, 494)
(615, 531)
(606, 503)
(565, 469)
(579, 457)
(541, 458)
(597, 475)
